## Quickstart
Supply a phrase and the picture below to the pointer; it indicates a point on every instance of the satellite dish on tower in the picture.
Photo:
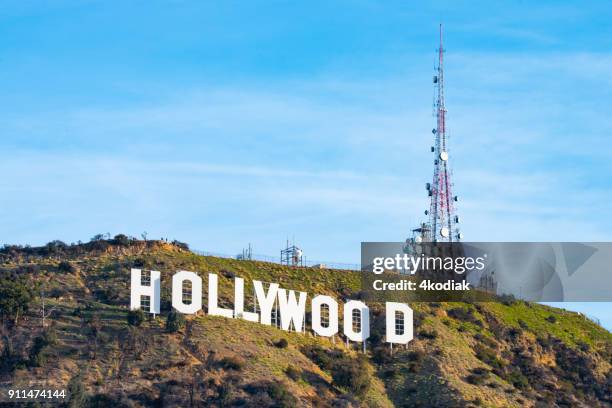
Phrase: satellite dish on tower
(443, 220)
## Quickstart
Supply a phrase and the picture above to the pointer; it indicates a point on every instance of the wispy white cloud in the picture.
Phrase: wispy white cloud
(321, 154)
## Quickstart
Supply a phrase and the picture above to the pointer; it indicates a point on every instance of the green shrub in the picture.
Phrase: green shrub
(416, 355)
(66, 267)
(321, 357)
(516, 378)
(9, 359)
(487, 341)
(514, 332)
(281, 395)
(282, 343)
(16, 296)
(466, 315)
(121, 240)
(38, 359)
(50, 336)
(231, 363)
(293, 373)
(76, 391)
(135, 317)
(428, 334)
(390, 373)
(225, 394)
(584, 347)
(381, 355)
(276, 391)
(174, 322)
(37, 354)
(488, 356)
(353, 375)
(228, 274)
(507, 300)
(478, 376)
(181, 245)
(415, 359)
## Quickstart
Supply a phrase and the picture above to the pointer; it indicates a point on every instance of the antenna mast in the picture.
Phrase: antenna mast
(442, 218)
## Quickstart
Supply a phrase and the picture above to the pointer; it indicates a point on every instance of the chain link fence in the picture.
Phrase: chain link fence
(277, 260)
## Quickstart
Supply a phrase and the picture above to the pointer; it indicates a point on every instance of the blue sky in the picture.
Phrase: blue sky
(226, 123)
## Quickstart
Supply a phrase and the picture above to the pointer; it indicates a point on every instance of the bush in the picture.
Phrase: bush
(516, 378)
(16, 296)
(231, 363)
(478, 376)
(174, 322)
(135, 317)
(9, 359)
(381, 355)
(416, 355)
(50, 336)
(390, 373)
(485, 340)
(181, 245)
(55, 247)
(66, 267)
(551, 319)
(507, 300)
(281, 395)
(228, 274)
(37, 355)
(276, 391)
(139, 263)
(282, 343)
(466, 315)
(488, 356)
(353, 375)
(415, 359)
(121, 240)
(98, 245)
(225, 394)
(293, 373)
(428, 334)
(321, 357)
(514, 332)
(584, 347)
(76, 390)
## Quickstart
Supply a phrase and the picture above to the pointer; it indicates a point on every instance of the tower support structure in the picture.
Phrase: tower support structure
(443, 220)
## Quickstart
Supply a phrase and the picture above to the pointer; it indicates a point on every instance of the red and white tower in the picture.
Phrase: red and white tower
(442, 217)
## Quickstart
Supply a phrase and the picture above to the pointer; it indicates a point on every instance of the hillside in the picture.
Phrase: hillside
(510, 354)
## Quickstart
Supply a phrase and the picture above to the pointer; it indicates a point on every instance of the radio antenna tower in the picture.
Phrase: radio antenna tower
(442, 218)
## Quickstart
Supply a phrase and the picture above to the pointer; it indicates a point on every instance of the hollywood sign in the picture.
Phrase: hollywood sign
(291, 307)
